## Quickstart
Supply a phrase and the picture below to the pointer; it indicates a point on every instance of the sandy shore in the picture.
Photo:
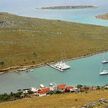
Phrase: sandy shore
(19, 68)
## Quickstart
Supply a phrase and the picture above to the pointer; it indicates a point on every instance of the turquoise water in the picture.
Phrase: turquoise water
(83, 71)
(86, 16)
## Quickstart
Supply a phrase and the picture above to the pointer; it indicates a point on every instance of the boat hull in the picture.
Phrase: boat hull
(103, 73)
(104, 62)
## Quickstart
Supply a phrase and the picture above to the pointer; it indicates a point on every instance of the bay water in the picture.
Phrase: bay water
(83, 71)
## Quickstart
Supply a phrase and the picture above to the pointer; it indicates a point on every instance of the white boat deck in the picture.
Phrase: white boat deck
(61, 66)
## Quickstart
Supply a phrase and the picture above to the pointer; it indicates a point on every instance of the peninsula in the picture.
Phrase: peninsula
(28, 41)
(104, 16)
(69, 7)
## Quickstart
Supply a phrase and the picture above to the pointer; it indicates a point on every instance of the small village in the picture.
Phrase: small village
(53, 88)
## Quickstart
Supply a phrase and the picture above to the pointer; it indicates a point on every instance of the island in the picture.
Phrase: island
(70, 7)
(104, 16)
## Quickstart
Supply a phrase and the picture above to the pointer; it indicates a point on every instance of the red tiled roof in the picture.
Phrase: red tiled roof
(43, 90)
(61, 86)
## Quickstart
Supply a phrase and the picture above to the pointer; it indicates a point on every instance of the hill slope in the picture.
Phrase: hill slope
(59, 101)
(26, 41)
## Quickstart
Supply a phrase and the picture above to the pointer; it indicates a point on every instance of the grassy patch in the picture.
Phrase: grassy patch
(26, 41)
(58, 101)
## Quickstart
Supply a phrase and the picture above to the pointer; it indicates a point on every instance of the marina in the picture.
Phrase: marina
(61, 66)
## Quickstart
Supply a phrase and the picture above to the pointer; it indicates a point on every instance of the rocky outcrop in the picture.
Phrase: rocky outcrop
(101, 101)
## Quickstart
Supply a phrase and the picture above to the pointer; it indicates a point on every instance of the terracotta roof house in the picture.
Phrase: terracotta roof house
(69, 89)
(43, 91)
(61, 87)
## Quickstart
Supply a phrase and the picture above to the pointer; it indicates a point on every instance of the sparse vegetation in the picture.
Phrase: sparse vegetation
(68, 100)
(10, 97)
(25, 41)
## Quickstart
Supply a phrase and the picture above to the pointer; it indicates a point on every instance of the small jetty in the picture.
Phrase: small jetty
(61, 66)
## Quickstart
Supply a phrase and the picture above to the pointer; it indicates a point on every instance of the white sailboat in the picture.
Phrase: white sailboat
(104, 60)
(104, 72)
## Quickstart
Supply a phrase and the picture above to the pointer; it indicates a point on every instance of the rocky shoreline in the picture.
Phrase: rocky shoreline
(19, 68)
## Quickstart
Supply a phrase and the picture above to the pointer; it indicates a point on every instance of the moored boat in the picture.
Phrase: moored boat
(61, 66)
(104, 61)
(104, 72)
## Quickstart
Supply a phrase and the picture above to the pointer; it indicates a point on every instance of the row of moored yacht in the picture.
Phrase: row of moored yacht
(104, 72)
(61, 66)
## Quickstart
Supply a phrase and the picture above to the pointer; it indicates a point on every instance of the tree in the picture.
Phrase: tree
(79, 86)
(34, 54)
(2, 63)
